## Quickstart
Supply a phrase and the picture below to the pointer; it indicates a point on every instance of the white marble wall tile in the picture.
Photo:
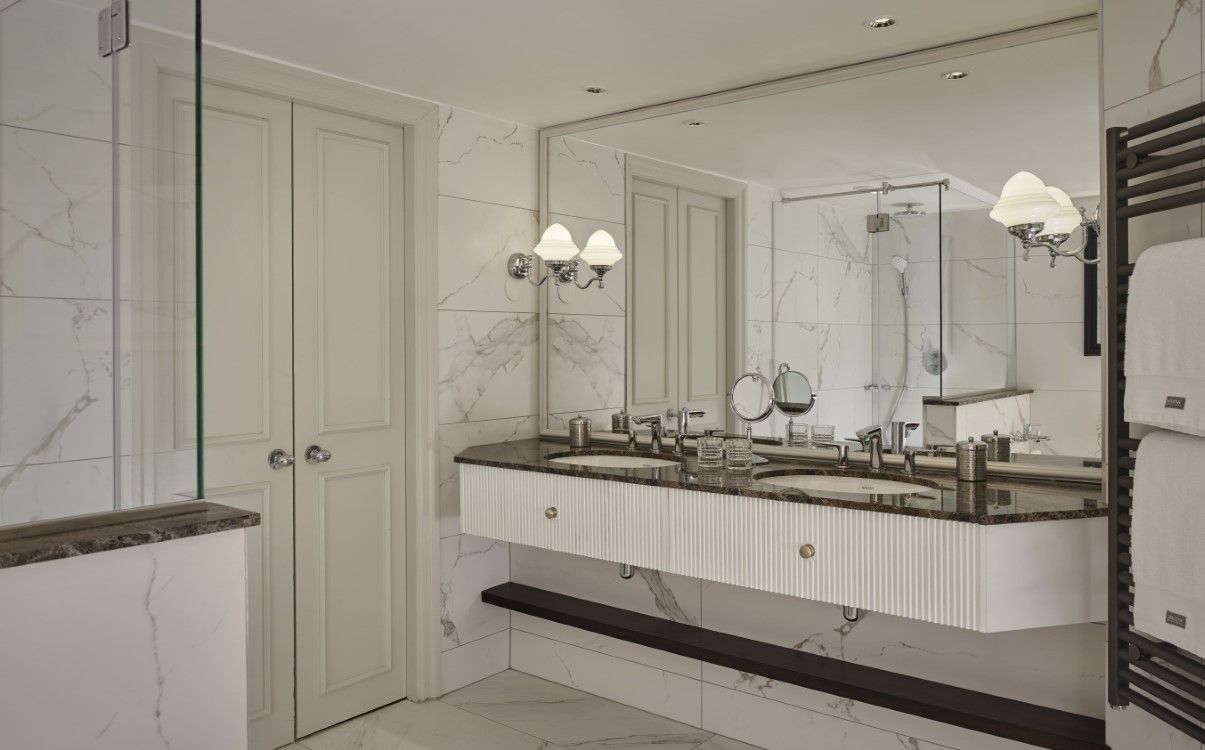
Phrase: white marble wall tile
(454, 438)
(924, 279)
(759, 348)
(907, 726)
(844, 353)
(474, 661)
(892, 342)
(1057, 667)
(759, 283)
(847, 409)
(973, 235)
(585, 362)
(51, 78)
(797, 344)
(976, 356)
(56, 378)
(1132, 727)
(796, 287)
(469, 565)
(611, 299)
(585, 180)
(600, 418)
(649, 592)
(914, 238)
(979, 291)
(485, 159)
(1072, 419)
(630, 683)
(939, 425)
(796, 227)
(777, 726)
(1049, 295)
(475, 242)
(845, 291)
(759, 215)
(633, 652)
(1051, 356)
(433, 724)
(53, 490)
(725, 743)
(841, 231)
(56, 222)
(487, 365)
(1005, 415)
(1149, 45)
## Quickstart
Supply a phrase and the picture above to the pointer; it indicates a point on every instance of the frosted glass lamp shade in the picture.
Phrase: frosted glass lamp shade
(600, 250)
(1024, 200)
(1065, 219)
(556, 245)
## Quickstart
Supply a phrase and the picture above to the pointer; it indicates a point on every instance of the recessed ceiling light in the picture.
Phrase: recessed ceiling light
(955, 75)
(596, 90)
(882, 22)
(695, 123)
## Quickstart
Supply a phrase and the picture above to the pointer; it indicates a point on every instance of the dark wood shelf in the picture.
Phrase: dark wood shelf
(1002, 717)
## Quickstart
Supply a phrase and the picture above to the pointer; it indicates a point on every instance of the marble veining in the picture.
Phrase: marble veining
(992, 502)
(1155, 72)
(487, 365)
(586, 362)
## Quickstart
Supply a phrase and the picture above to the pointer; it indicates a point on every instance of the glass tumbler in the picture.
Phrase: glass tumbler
(823, 433)
(738, 454)
(797, 433)
(711, 451)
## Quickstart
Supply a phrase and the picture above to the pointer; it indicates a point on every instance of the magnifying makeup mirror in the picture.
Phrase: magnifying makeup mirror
(752, 400)
(793, 396)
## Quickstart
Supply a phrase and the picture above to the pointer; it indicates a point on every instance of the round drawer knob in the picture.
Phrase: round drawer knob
(550, 513)
(807, 552)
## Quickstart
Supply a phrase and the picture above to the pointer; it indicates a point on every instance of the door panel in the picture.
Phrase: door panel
(702, 305)
(349, 381)
(653, 299)
(248, 398)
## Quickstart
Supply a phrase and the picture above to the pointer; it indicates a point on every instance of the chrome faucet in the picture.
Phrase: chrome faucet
(657, 424)
(899, 435)
(910, 455)
(684, 416)
(871, 439)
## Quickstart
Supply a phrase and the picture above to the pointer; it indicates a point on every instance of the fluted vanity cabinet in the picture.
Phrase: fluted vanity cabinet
(979, 576)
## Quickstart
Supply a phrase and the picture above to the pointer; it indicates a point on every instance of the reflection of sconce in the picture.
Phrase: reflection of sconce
(1042, 216)
(558, 252)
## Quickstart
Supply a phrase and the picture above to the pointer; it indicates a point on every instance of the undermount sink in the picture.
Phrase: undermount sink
(614, 461)
(851, 485)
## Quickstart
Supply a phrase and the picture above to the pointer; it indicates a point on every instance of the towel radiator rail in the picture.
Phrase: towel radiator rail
(1161, 679)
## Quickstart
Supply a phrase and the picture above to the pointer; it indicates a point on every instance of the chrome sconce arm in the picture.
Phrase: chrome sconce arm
(1031, 237)
(520, 266)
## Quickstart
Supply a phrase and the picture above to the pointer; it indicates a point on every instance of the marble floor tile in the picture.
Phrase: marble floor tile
(421, 726)
(570, 718)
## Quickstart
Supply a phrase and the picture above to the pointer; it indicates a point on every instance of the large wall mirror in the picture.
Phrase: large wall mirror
(842, 229)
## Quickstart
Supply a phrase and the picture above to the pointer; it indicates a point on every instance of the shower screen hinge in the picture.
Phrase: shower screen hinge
(114, 28)
(876, 223)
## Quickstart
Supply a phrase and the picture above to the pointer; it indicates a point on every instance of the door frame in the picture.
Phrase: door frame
(418, 119)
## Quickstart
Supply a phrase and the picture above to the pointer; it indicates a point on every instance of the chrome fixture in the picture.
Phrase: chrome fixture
(880, 22)
(696, 123)
(562, 258)
(793, 396)
(807, 551)
(842, 452)
(657, 424)
(550, 513)
(882, 189)
(851, 614)
(871, 439)
(907, 210)
(910, 455)
(316, 454)
(899, 434)
(595, 90)
(684, 415)
(625, 571)
(280, 459)
(955, 75)
(1042, 215)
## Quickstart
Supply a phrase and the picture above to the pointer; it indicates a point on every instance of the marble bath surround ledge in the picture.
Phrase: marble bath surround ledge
(27, 543)
(993, 502)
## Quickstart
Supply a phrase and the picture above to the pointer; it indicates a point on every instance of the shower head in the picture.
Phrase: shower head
(899, 263)
(908, 210)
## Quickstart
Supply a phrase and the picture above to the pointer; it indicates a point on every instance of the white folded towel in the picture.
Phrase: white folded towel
(1167, 539)
(1165, 338)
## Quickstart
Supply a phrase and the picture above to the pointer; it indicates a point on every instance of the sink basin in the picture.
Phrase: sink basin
(850, 485)
(614, 461)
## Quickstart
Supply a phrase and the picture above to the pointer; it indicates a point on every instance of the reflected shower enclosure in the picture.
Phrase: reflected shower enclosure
(98, 257)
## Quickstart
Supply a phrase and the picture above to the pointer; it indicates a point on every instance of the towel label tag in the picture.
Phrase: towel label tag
(1180, 621)
(1174, 402)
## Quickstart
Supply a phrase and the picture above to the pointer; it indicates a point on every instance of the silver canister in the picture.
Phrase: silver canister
(621, 422)
(579, 432)
(971, 460)
(999, 447)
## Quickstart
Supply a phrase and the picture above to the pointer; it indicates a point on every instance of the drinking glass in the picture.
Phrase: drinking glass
(711, 451)
(738, 454)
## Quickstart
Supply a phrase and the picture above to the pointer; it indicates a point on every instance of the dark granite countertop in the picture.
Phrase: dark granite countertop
(26, 543)
(993, 502)
(962, 399)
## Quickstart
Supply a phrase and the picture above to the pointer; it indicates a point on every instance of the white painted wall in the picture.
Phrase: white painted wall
(135, 648)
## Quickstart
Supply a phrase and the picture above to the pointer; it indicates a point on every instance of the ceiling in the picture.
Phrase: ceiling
(1033, 107)
(529, 61)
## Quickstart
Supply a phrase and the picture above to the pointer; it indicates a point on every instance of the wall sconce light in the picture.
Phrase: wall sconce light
(1042, 216)
(562, 257)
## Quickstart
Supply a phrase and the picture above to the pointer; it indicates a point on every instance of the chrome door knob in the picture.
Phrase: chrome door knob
(807, 552)
(280, 459)
(316, 454)
(550, 513)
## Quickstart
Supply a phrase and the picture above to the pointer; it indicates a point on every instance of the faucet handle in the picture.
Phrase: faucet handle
(868, 432)
(654, 420)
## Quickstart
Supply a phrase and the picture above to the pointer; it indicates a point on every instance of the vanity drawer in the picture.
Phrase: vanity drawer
(606, 520)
